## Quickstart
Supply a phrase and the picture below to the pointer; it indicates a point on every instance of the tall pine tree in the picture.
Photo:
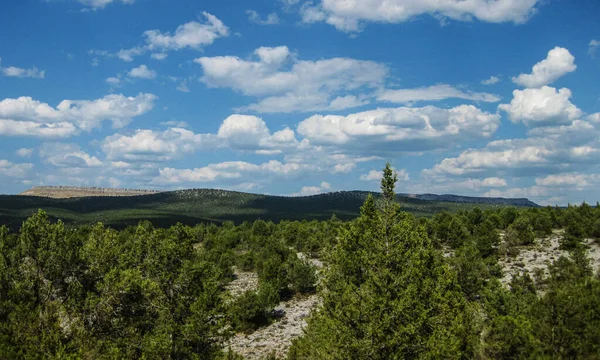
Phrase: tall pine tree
(387, 293)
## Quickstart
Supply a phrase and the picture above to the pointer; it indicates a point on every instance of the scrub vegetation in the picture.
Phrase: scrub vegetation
(391, 285)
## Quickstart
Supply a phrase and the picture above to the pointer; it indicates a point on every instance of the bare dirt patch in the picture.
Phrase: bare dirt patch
(541, 254)
(277, 337)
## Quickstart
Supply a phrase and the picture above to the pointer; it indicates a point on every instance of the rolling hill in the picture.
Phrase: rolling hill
(207, 205)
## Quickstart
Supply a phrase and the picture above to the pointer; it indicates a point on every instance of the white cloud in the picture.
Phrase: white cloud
(498, 156)
(243, 129)
(533, 192)
(159, 56)
(142, 72)
(286, 84)
(67, 155)
(23, 73)
(11, 170)
(175, 123)
(399, 130)
(577, 132)
(594, 45)
(100, 4)
(182, 87)
(35, 129)
(595, 118)
(344, 168)
(272, 19)
(24, 152)
(231, 170)
(350, 15)
(13, 71)
(192, 35)
(376, 175)
(313, 190)
(522, 157)
(148, 145)
(491, 81)
(492, 182)
(128, 54)
(569, 179)
(433, 93)
(25, 116)
(558, 63)
(245, 132)
(543, 106)
(113, 81)
(237, 132)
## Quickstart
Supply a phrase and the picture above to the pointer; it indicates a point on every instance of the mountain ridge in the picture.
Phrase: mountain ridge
(193, 206)
(54, 192)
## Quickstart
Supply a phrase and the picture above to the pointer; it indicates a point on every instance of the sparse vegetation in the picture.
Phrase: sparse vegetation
(392, 285)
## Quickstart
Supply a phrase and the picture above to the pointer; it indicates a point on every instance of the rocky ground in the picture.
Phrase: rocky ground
(243, 282)
(66, 192)
(277, 337)
(541, 254)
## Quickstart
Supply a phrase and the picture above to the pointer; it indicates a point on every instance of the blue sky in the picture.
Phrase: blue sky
(293, 97)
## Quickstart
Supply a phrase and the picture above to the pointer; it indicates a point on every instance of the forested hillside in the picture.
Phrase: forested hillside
(393, 286)
(206, 205)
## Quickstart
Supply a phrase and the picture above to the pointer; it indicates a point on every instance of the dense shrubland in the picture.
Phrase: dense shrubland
(393, 286)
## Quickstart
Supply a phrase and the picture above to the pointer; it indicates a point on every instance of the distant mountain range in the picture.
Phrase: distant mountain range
(122, 207)
(473, 199)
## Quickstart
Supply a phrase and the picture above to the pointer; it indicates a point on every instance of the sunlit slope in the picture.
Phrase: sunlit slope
(205, 205)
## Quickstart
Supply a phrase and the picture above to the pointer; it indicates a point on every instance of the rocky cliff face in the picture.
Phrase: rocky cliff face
(66, 192)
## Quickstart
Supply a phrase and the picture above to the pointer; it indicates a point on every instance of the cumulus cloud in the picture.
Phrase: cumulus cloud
(399, 130)
(175, 123)
(35, 129)
(433, 93)
(313, 190)
(491, 81)
(20, 171)
(558, 63)
(376, 175)
(100, 4)
(191, 35)
(231, 170)
(149, 145)
(159, 56)
(142, 72)
(23, 73)
(349, 16)
(497, 156)
(541, 107)
(246, 132)
(24, 152)
(577, 180)
(128, 54)
(25, 116)
(13, 71)
(67, 155)
(521, 157)
(271, 19)
(533, 192)
(286, 84)
(237, 132)
(113, 81)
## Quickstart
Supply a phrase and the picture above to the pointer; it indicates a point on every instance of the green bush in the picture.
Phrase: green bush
(301, 277)
(248, 313)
